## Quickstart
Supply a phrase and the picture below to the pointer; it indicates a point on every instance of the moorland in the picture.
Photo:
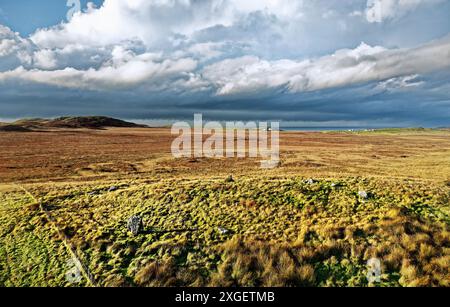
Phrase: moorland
(337, 199)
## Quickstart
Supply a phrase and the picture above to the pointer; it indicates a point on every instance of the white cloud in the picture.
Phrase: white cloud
(7, 46)
(11, 42)
(207, 50)
(280, 8)
(124, 73)
(164, 45)
(381, 10)
(147, 20)
(154, 21)
(400, 83)
(281, 27)
(343, 68)
(45, 59)
(355, 13)
(248, 74)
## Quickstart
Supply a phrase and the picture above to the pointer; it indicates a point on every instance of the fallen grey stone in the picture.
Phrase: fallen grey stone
(135, 225)
(363, 194)
(336, 185)
(223, 230)
(113, 188)
(310, 181)
(229, 179)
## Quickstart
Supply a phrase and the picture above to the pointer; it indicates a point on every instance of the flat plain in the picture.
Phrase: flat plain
(337, 200)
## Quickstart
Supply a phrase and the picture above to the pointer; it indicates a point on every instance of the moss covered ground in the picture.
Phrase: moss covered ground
(246, 232)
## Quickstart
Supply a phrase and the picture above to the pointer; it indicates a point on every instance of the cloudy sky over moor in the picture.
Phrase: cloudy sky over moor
(315, 62)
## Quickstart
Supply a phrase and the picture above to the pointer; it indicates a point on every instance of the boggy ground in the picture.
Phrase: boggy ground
(264, 228)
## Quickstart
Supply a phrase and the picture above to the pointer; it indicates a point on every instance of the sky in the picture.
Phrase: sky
(309, 62)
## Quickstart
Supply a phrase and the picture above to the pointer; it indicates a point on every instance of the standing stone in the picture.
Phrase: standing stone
(135, 225)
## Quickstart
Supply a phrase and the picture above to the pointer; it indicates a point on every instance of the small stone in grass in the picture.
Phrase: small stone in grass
(113, 188)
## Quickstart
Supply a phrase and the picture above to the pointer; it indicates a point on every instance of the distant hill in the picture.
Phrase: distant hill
(13, 128)
(89, 122)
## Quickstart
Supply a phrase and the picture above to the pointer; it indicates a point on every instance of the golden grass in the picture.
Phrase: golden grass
(281, 230)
